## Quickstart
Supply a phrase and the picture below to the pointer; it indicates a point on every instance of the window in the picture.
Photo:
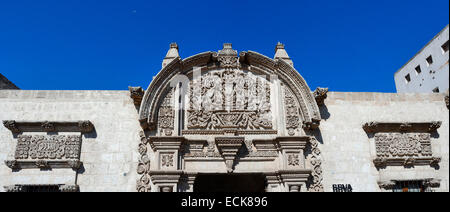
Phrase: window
(436, 90)
(418, 70)
(429, 60)
(445, 47)
(411, 186)
(408, 78)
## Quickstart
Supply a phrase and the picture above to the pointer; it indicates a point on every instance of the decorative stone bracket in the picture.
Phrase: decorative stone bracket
(403, 144)
(136, 93)
(229, 148)
(320, 94)
(47, 151)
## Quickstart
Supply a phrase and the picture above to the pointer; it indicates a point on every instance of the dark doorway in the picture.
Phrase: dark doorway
(230, 183)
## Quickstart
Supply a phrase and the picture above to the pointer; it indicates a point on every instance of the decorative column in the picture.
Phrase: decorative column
(166, 174)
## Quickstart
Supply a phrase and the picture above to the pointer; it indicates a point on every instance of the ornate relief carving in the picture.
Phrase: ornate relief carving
(227, 57)
(403, 144)
(293, 160)
(316, 162)
(48, 147)
(229, 99)
(292, 114)
(167, 160)
(49, 151)
(166, 115)
(142, 184)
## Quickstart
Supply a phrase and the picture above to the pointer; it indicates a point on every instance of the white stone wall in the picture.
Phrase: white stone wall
(109, 157)
(347, 152)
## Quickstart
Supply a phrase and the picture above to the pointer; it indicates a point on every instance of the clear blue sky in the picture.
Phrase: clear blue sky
(109, 45)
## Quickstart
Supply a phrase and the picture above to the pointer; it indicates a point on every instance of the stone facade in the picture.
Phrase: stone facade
(223, 113)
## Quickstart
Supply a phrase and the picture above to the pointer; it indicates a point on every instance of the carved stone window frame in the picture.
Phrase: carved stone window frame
(400, 130)
(54, 127)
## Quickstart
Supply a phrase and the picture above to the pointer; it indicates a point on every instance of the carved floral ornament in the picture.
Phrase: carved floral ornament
(227, 66)
(403, 144)
(47, 151)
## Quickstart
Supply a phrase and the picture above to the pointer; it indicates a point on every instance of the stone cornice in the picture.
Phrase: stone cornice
(380, 162)
(23, 188)
(43, 164)
(293, 142)
(48, 126)
(166, 142)
(375, 127)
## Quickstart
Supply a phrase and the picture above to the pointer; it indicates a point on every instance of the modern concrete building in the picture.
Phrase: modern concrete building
(6, 84)
(223, 121)
(427, 71)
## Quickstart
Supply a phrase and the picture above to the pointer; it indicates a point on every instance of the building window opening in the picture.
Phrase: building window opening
(411, 186)
(436, 90)
(418, 70)
(445, 47)
(429, 60)
(408, 78)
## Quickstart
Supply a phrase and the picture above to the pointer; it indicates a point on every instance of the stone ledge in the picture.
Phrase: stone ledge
(43, 164)
(49, 126)
(417, 127)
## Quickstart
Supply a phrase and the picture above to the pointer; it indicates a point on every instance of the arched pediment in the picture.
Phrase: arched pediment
(289, 92)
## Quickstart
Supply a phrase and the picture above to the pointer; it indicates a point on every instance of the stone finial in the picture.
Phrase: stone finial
(171, 54)
(280, 53)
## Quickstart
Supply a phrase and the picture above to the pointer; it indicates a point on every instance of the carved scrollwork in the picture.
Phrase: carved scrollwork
(406, 149)
(166, 115)
(292, 113)
(316, 162)
(142, 184)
